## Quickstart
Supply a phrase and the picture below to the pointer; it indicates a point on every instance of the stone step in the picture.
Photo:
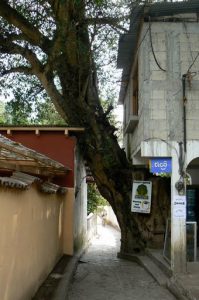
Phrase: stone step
(154, 270)
(159, 260)
(149, 266)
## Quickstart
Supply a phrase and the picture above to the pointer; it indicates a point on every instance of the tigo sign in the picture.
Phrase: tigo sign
(160, 165)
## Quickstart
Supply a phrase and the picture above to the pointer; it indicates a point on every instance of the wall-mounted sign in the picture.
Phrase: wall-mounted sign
(160, 165)
(141, 197)
(179, 207)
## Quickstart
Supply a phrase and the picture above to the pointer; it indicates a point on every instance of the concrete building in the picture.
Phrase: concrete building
(160, 94)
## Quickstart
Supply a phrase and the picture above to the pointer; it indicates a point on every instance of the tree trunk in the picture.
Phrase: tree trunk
(68, 75)
(114, 176)
(111, 170)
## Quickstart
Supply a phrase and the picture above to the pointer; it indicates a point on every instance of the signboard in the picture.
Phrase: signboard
(141, 197)
(160, 165)
(179, 207)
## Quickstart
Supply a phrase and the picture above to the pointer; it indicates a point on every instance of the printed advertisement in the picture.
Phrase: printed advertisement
(141, 197)
(179, 207)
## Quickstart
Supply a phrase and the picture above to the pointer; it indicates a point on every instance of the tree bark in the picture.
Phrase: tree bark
(69, 59)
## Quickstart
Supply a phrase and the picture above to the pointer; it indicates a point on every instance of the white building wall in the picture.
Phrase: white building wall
(160, 93)
(80, 206)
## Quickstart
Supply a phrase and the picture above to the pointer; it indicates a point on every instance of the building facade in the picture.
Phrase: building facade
(160, 94)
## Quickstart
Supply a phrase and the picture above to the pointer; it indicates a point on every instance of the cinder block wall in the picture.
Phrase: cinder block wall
(160, 93)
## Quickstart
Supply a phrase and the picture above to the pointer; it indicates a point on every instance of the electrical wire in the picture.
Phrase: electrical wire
(193, 62)
(153, 48)
(188, 38)
(193, 59)
(138, 47)
(164, 141)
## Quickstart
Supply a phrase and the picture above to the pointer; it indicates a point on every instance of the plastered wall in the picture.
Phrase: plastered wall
(31, 228)
(80, 204)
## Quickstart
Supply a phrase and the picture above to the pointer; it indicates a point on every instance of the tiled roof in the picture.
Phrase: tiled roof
(23, 181)
(51, 188)
(13, 183)
(15, 156)
(26, 178)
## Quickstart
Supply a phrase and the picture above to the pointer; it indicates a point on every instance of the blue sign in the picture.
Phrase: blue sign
(160, 165)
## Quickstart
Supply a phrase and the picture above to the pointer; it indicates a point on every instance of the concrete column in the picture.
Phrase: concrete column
(178, 203)
(178, 219)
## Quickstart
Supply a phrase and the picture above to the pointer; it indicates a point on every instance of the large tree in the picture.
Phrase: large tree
(53, 40)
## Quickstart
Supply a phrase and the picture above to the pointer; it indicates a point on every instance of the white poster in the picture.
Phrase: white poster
(141, 197)
(179, 207)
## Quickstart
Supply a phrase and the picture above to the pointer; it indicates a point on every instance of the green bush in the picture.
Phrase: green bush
(94, 199)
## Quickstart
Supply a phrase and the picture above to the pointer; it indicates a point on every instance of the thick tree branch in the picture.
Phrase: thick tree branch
(60, 9)
(47, 82)
(14, 37)
(43, 73)
(12, 48)
(32, 34)
(54, 5)
(69, 57)
(21, 69)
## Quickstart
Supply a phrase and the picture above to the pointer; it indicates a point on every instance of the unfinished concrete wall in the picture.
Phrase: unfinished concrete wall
(160, 93)
(31, 231)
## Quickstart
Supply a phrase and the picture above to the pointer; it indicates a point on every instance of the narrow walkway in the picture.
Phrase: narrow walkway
(101, 275)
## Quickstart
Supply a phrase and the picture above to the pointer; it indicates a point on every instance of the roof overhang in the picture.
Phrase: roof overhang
(37, 129)
(16, 157)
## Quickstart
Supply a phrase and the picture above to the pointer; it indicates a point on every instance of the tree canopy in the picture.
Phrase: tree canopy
(60, 44)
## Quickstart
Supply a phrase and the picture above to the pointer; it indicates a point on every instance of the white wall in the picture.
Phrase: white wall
(111, 218)
(80, 206)
(160, 93)
(91, 226)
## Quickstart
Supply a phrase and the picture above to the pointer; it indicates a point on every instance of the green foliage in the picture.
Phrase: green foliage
(94, 199)
(29, 105)
(47, 114)
(17, 112)
(103, 37)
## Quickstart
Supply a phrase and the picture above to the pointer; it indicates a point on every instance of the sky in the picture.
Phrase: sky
(119, 113)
